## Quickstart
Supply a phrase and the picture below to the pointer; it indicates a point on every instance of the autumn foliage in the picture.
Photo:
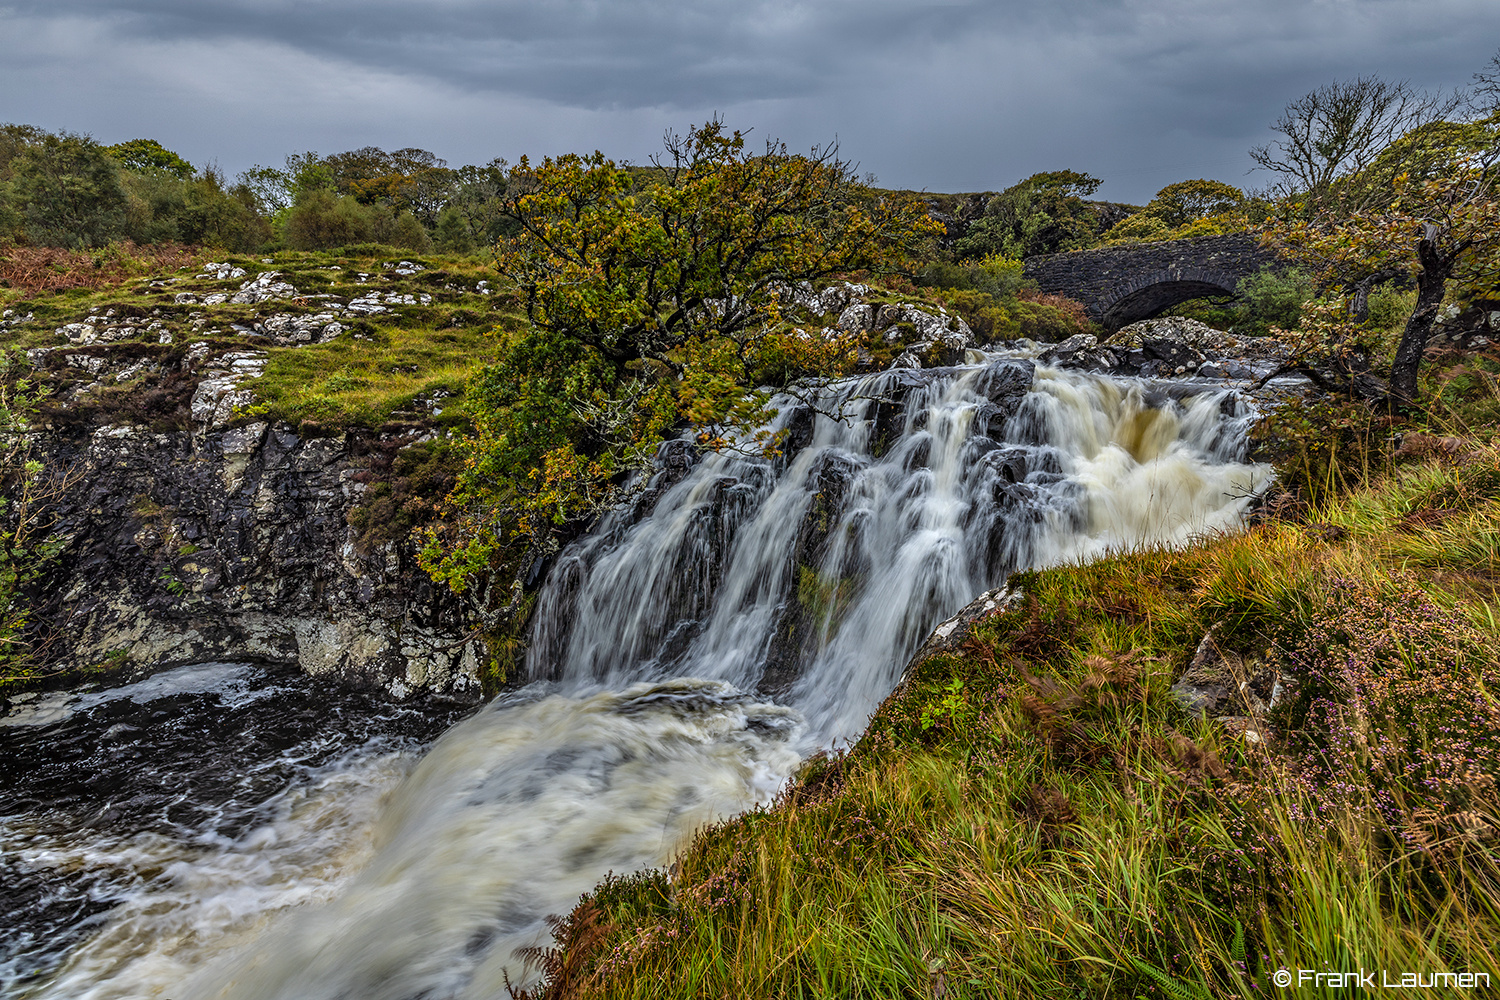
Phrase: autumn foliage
(655, 299)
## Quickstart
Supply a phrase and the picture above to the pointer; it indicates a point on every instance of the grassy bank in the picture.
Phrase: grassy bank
(1033, 814)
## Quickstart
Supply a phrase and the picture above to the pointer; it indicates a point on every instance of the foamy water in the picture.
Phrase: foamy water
(810, 579)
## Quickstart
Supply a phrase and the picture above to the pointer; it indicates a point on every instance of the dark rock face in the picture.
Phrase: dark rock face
(233, 544)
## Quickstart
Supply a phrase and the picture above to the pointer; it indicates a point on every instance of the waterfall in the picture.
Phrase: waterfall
(897, 500)
(738, 612)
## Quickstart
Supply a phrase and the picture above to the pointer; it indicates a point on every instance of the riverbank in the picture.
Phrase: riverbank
(1037, 812)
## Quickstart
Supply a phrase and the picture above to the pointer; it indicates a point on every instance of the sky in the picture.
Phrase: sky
(951, 95)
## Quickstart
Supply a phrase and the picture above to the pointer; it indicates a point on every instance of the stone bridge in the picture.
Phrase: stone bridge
(1119, 285)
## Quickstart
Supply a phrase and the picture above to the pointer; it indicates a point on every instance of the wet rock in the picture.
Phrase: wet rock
(947, 349)
(1004, 382)
(1067, 352)
(955, 631)
(250, 524)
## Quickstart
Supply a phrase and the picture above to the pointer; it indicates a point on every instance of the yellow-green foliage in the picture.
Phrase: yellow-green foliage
(1033, 816)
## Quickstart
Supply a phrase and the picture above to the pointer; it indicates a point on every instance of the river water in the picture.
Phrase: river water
(234, 831)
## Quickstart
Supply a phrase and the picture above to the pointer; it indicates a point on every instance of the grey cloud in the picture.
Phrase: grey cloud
(956, 96)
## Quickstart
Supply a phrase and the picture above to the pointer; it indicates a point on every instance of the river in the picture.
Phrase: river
(235, 831)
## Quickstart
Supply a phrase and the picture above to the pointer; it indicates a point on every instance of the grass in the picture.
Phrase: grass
(391, 366)
(1033, 815)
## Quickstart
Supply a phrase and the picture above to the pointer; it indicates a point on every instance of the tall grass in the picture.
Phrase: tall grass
(1035, 816)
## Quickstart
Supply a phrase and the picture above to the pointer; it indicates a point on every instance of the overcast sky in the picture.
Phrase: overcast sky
(947, 96)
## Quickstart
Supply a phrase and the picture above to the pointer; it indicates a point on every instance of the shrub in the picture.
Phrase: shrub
(321, 220)
(1271, 298)
(1138, 227)
(1392, 709)
(453, 234)
(69, 191)
(996, 275)
(1051, 318)
(1322, 448)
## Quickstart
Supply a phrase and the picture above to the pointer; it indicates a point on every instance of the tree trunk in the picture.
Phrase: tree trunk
(1360, 309)
(1432, 280)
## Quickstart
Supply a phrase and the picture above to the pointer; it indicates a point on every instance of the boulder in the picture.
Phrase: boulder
(1222, 683)
(262, 288)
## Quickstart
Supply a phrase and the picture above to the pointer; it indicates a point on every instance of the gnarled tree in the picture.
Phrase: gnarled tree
(655, 299)
(1439, 221)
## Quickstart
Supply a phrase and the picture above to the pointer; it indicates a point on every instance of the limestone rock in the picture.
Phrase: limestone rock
(264, 287)
(221, 272)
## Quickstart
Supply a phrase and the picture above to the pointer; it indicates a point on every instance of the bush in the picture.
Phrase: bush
(1138, 227)
(1320, 449)
(1271, 298)
(997, 276)
(452, 234)
(1391, 709)
(69, 191)
(322, 220)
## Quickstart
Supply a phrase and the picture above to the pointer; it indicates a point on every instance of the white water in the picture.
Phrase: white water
(372, 882)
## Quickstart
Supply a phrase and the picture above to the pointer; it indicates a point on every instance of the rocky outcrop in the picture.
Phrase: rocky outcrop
(1233, 689)
(233, 544)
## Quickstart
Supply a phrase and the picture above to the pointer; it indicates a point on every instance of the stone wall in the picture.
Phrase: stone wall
(1123, 284)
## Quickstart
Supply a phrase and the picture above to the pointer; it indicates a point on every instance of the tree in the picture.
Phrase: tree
(147, 155)
(1187, 201)
(1436, 226)
(69, 191)
(1485, 98)
(1337, 132)
(276, 190)
(1186, 208)
(1045, 213)
(655, 298)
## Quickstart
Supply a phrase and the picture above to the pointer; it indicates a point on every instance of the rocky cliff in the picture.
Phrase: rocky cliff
(234, 544)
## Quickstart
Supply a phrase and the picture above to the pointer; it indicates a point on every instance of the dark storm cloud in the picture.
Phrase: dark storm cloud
(946, 96)
(619, 53)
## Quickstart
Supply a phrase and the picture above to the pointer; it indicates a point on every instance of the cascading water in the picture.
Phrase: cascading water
(738, 613)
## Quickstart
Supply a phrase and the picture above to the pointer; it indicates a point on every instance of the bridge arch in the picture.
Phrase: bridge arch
(1121, 284)
(1152, 294)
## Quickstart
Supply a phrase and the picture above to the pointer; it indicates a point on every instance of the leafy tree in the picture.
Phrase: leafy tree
(410, 179)
(476, 196)
(453, 234)
(69, 191)
(1045, 213)
(1186, 201)
(276, 190)
(1182, 210)
(1440, 225)
(655, 298)
(15, 140)
(147, 155)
